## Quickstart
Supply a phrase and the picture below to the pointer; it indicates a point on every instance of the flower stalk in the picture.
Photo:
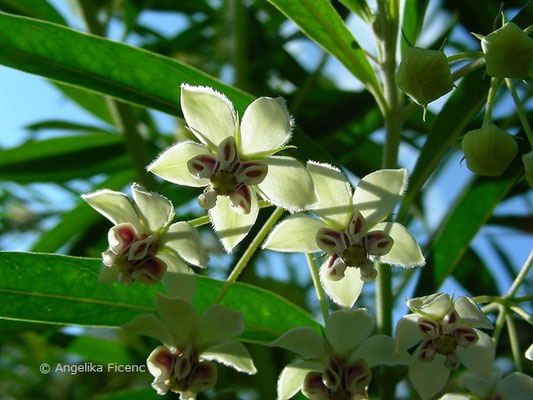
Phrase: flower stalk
(316, 283)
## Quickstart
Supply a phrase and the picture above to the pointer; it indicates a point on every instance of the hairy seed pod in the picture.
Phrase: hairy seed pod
(527, 159)
(489, 150)
(424, 75)
(508, 52)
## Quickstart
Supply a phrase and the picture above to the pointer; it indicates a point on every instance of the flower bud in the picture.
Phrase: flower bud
(160, 363)
(202, 166)
(489, 150)
(335, 268)
(424, 75)
(452, 361)
(378, 243)
(427, 329)
(508, 52)
(149, 271)
(330, 241)
(313, 387)
(527, 159)
(203, 377)
(358, 376)
(241, 200)
(120, 237)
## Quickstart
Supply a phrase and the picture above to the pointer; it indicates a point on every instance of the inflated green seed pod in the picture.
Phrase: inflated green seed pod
(508, 52)
(527, 159)
(424, 75)
(489, 150)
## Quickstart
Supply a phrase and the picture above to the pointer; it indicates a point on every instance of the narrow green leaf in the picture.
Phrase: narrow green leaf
(359, 7)
(460, 108)
(57, 289)
(39, 9)
(319, 20)
(57, 124)
(413, 18)
(472, 209)
(64, 158)
(474, 275)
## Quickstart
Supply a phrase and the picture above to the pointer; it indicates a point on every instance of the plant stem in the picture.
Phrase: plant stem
(523, 314)
(498, 326)
(520, 110)
(240, 44)
(468, 55)
(487, 118)
(521, 276)
(513, 339)
(318, 288)
(241, 264)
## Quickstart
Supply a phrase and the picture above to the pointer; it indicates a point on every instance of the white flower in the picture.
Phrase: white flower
(184, 363)
(515, 386)
(446, 335)
(143, 243)
(349, 230)
(235, 161)
(339, 364)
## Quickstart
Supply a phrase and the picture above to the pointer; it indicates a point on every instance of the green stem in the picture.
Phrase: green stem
(498, 326)
(467, 55)
(487, 118)
(513, 339)
(520, 111)
(256, 242)
(318, 288)
(523, 314)
(240, 43)
(521, 276)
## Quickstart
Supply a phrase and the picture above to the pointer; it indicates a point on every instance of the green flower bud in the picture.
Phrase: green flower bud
(489, 150)
(424, 75)
(508, 52)
(527, 159)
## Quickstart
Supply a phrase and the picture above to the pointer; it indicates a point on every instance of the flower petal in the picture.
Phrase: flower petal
(406, 334)
(171, 164)
(209, 114)
(292, 377)
(233, 354)
(178, 315)
(156, 209)
(346, 329)
(516, 386)
(434, 306)
(266, 125)
(303, 341)
(150, 325)
(454, 396)
(482, 386)
(405, 251)
(296, 233)
(180, 285)
(287, 184)
(185, 240)
(470, 313)
(173, 262)
(377, 194)
(108, 274)
(334, 194)
(216, 325)
(428, 377)
(478, 357)
(345, 291)
(379, 350)
(529, 352)
(232, 227)
(115, 206)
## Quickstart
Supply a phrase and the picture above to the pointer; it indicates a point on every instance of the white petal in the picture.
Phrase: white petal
(180, 285)
(173, 262)
(434, 306)
(266, 125)
(115, 206)
(287, 184)
(292, 377)
(516, 386)
(346, 329)
(345, 291)
(108, 274)
(454, 396)
(296, 233)
(478, 357)
(178, 315)
(334, 194)
(233, 354)
(156, 209)
(230, 226)
(218, 324)
(405, 251)
(303, 341)
(171, 164)
(470, 313)
(185, 240)
(482, 386)
(209, 114)
(379, 350)
(150, 325)
(428, 377)
(377, 194)
(406, 335)
(529, 352)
